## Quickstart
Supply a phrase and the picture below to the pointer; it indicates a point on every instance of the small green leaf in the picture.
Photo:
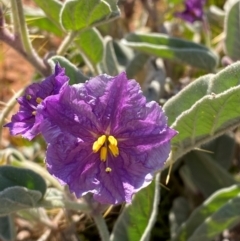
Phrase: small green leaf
(232, 31)
(13, 176)
(16, 198)
(51, 8)
(163, 46)
(71, 70)
(137, 219)
(219, 212)
(7, 228)
(80, 14)
(90, 44)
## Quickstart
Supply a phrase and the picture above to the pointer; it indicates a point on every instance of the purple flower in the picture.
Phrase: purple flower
(193, 10)
(24, 122)
(104, 138)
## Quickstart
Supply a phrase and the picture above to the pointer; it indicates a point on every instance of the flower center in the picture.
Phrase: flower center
(104, 144)
(38, 100)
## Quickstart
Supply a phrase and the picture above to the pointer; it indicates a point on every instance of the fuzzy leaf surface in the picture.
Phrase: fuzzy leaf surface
(75, 75)
(12, 176)
(137, 219)
(219, 212)
(232, 31)
(91, 46)
(16, 198)
(203, 117)
(163, 46)
(80, 14)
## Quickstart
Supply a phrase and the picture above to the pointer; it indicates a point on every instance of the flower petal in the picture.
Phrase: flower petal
(24, 121)
(70, 113)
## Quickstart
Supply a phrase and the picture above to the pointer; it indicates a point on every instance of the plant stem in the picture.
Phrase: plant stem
(15, 19)
(22, 42)
(59, 203)
(102, 226)
(66, 42)
(7, 109)
(23, 27)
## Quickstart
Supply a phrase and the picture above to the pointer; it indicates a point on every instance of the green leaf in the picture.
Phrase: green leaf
(232, 31)
(51, 8)
(81, 14)
(13, 176)
(219, 212)
(205, 85)
(206, 174)
(207, 119)
(163, 46)
(109, 63)
(225, 218)
(137, 219)
(71, 70)
(187, 97)
(90, 44)
(16, 198)
(136, 64)
(36, 18)
(178, 214)
(211, 115)
(7, 228)
(43, 24)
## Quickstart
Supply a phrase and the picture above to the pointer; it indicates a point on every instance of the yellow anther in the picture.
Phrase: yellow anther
(39, 100)
(108, 169)
(114, 149)
(103, 154)
(101, 140)
(98, 143)
(112, 140)
(34, 113)
(28, 97)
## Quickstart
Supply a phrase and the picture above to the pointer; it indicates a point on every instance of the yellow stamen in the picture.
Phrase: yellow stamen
(34, 113)
(112, 140)
(108, 169)
(103, 154)
(101, 140)
(98, 143)
(114, 149)
(39, 100)
(28, 97)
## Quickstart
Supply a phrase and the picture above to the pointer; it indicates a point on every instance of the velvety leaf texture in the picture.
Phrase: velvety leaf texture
(77, 15)
(205, 116)
(74, 74)
(163, 46)
(137, 219)
(90, 44)
(13, 176)
(51, 8)
(217, 213)
(17, 198)
(232, 31)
